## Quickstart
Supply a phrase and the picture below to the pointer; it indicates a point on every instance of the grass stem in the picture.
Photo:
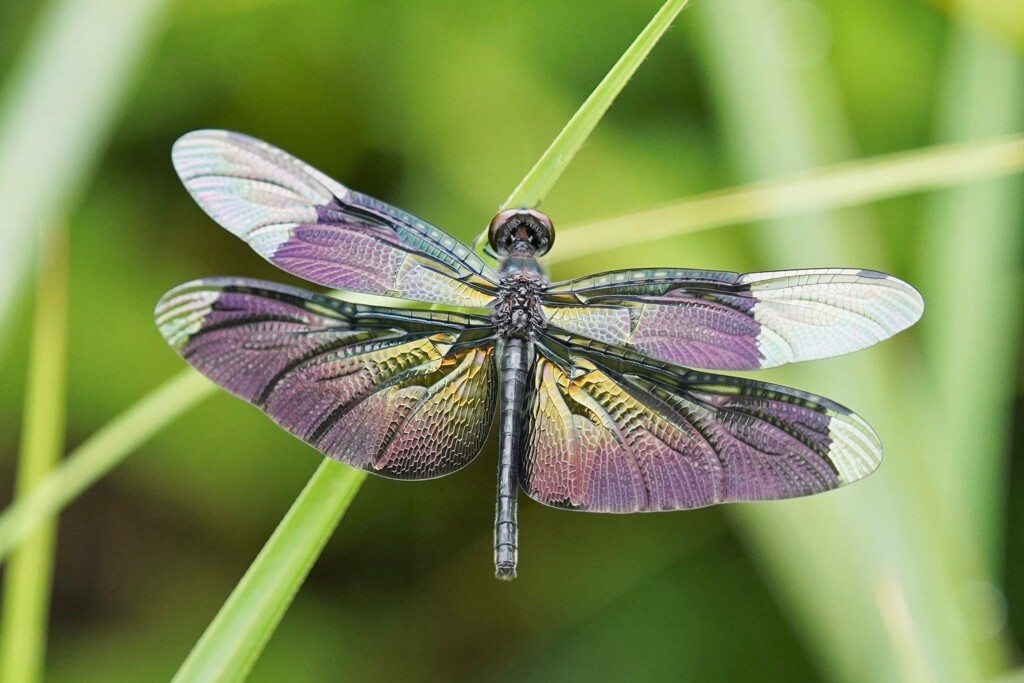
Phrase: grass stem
(99, 454)
(234, 639)
(26, 590)
(540, 179)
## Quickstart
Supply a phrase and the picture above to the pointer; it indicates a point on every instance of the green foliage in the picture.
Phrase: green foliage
(85, 465)
(26, 590)
(556, 158)
(235, 638)
(56, 113)
(438, 108)
(915, 598)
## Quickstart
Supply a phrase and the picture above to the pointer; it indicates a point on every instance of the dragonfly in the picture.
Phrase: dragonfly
(601, 383)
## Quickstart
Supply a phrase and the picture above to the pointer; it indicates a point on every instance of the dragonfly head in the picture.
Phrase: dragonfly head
(519, 231)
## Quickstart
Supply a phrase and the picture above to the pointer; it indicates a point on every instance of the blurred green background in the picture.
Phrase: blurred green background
(440, 108)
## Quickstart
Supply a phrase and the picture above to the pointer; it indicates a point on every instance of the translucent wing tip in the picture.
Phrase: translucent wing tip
(905, 294)
(236, 155)
(181, 311)
(855, 450)
(253, 189)
(197, 144)
(820, 313)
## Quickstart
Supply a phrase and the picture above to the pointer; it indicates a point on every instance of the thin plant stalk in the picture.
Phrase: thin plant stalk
(824, 188)
(99, 454)
(26, 590)
(829, 556)
(540, 179)
(84, 52)
(975, 237)
(234, 639)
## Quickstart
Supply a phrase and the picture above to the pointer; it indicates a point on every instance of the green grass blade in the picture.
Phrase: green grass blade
(972, 333)
(26, 594)
(835, 558)
(824, 188)
(100, 454)
(536, 184)
(84, 53)
(235, 638)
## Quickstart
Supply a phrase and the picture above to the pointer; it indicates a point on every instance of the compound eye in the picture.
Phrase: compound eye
(546, 234)
(500, 240)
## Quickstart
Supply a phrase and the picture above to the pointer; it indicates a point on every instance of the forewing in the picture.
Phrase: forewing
(608, 432)
(314, 227)
(403, 394)
(731, 321)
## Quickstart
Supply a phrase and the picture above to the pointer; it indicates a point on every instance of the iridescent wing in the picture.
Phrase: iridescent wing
(732, 321)
(320, 230)
(609, 430)
(403, 394)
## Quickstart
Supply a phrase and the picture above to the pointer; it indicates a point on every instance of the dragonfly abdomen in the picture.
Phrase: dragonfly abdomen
(515, 361)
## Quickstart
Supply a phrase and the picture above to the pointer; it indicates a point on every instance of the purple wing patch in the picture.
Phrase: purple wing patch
(318, 229)
(385, 390)
(729, 321)
(608, 440)
(683, 329)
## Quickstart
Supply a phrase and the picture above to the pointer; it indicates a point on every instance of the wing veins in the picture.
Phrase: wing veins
(335, 415)
(616, 432)
(323, 349)
(676, 412)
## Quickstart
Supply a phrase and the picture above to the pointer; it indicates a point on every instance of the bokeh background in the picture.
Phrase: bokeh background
(441, 108)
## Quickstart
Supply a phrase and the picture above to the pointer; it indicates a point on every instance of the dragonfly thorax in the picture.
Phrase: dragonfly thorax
(517, 310)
